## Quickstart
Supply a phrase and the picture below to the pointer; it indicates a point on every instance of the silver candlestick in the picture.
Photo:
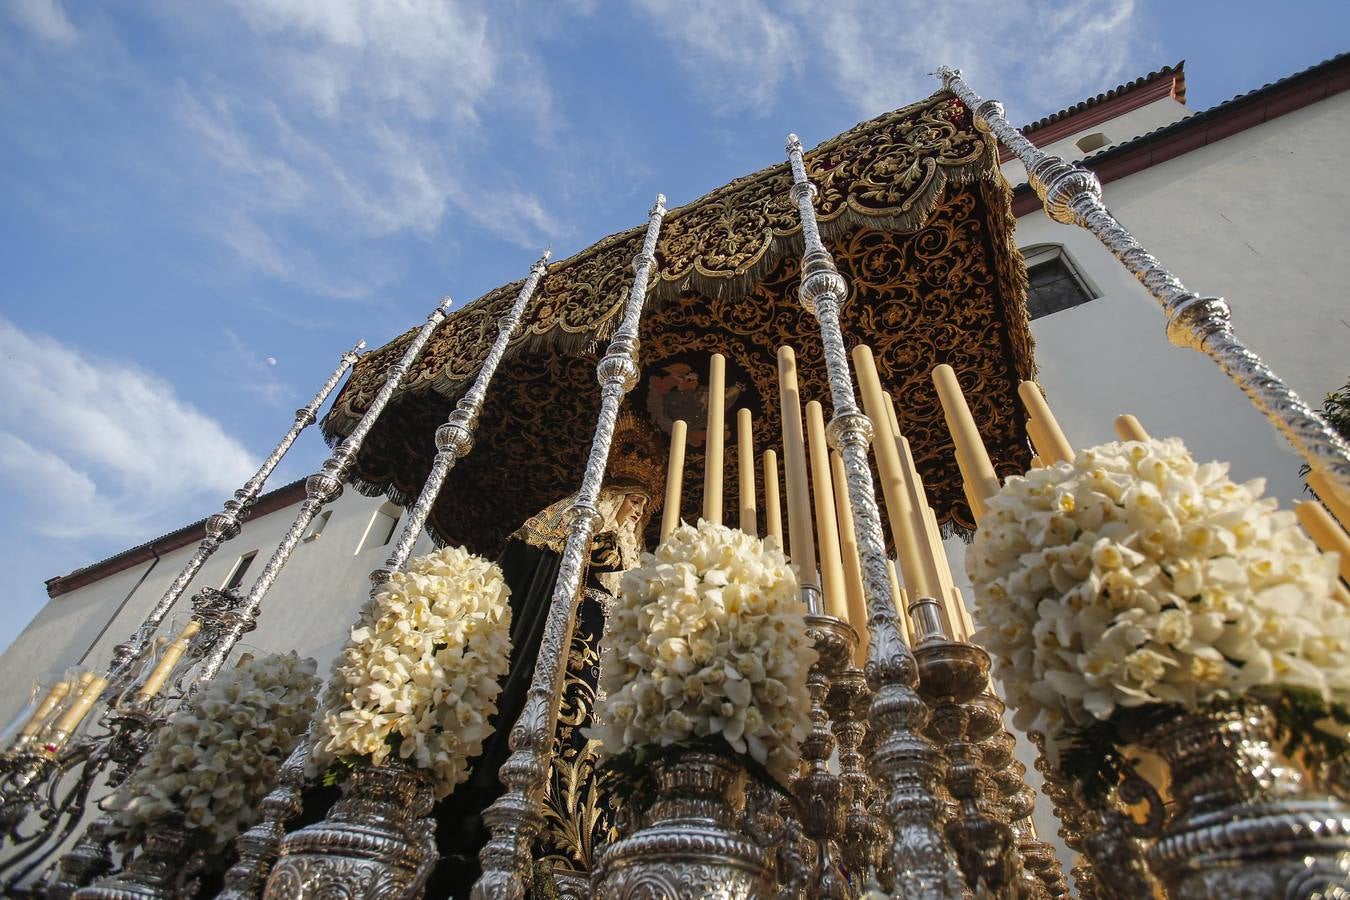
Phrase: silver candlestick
(1072, 195)
(905, 760)
(516, 817)
(824, 796)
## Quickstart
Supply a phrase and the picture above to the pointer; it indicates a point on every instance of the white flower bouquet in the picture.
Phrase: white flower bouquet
(1133, 577)
(420, 674)
(707, 643)
(217, 756)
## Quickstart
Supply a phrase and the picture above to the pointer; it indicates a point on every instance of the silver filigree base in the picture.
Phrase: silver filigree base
(690, 848)
(374, 844)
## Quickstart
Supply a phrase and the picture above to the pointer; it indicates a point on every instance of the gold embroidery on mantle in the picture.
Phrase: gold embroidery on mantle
(920, 224)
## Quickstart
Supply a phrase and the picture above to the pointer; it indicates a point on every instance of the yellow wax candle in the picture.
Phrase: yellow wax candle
(1057, 449)
(899, 512)
(901, 604)
(670, 516)
(773, 514)
(1326, 492)
(717, 423)
(1040, 441)
(851, 559)
(164, 668)
(800, 533)
(958, 601)
(75, 713)
(1325, 531)
(932, 555)
(1129, 429)
(979, 471)
(827, 520)
(745, 463)
(45, 708)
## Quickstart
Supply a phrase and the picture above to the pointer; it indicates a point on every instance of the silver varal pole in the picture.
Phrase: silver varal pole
(904, 759)
(1072, 195)
(257, 847)
(321, 488)
(516, 817)
(454, 439)
(224, 525)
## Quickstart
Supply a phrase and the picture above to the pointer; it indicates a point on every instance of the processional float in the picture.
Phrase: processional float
(907, 785)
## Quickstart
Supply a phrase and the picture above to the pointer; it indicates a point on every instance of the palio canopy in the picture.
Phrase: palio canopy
(913, 208)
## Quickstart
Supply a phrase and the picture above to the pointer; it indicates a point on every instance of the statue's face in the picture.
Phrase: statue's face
(630, 512)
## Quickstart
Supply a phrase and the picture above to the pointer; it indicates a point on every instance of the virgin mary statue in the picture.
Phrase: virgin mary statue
(579, 819)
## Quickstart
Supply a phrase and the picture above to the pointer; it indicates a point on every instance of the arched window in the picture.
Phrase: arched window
(1055, 282)
(382, 526)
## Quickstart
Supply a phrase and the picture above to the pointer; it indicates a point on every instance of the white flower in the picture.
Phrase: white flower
(422, 669)
(1133, 576)
(708, 639)
(216, 757)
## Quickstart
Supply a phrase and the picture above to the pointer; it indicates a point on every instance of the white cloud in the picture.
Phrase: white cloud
(102, 449)
(1036, 54)
(44, 18)
(739, 51)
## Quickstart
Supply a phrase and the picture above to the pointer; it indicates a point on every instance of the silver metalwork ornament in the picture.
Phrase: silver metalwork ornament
(89, 860)
(690, 847)
(166, 867)
(864, 839)
(1244, 824)
(1072, 195)
(260, 845)
(952, 676)
(375, 843)
(321, 488)
(222, 527)
(904, 760)
(516, 817)
(823, 797)
(1074, 818)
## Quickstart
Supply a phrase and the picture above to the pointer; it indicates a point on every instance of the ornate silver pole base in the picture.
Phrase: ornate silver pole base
(823, 796)
(1243, 826)
(864, 839)
(952, 675)
(89, 860)
(259, 847)
(165, 869)
(375, 844)
(690, 849)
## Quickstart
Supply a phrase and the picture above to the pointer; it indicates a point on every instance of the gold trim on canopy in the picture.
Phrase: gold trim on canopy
(913, 207)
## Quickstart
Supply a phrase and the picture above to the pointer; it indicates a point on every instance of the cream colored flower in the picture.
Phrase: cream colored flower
(217, 756)
(708, 639)
(1133, 576)
(422, 670)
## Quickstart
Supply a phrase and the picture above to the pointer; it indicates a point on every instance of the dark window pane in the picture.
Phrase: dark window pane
(1053, 287)
(237, 576)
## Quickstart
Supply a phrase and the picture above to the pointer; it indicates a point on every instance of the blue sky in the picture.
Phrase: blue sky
(205, 203)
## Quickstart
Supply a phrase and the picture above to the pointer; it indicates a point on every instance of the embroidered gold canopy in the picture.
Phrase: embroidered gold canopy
(914, 210)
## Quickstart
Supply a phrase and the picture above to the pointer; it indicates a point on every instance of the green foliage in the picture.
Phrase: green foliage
(1336, 410)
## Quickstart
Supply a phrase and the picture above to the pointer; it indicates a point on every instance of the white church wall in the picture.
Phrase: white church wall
(309, 609)
(1252, 218)
(1122, 128)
